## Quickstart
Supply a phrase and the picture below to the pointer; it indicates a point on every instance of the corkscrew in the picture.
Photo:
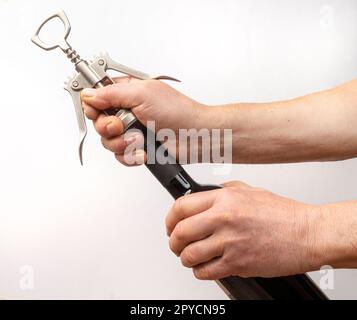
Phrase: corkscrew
(90, 75)
(171, 175)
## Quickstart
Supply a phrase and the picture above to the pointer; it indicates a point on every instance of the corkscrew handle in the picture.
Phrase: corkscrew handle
(61, 42)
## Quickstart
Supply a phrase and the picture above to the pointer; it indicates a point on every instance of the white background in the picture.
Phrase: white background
(98, 231)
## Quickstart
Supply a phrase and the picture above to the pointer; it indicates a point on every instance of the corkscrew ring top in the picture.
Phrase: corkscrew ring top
(62, 42)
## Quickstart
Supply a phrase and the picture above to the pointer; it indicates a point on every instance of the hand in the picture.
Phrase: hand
(150, 100)
(239, 230)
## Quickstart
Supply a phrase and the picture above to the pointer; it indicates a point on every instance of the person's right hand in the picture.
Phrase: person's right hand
(150, 100)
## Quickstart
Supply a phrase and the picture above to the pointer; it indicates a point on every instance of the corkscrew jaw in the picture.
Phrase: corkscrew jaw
(60, 43)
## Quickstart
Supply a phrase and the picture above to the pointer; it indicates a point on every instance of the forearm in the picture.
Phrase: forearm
(317, 127)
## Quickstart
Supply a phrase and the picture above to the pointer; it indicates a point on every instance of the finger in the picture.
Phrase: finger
(93, 113)
(116, 145)
(124, 95)
(108, 126)
(236, 184)
(137, 158)
(201, 251)
(188, 206)
(212, 270)
(192, 229)
(90, 112)
(120, 144)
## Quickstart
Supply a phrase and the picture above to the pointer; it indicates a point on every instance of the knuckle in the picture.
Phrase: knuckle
(203, 273)
(228, 192)
(121, 159)
(168, 221)
(100, 126)
(178, 206)
(179, 231)
(107, 91)
(188, 258)
(114, 146)
(104, 143)
(229, 243)
(241, 266)
(223, 244)
(226, 259)
(226, 217)
(172, 244)
(119, 146)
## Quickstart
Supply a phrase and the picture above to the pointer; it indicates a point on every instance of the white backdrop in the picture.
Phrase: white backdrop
(98, 231)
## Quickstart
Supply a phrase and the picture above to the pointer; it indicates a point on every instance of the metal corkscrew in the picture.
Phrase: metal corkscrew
(171, 175)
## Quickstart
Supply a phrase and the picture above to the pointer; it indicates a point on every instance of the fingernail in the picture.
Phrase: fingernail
(88, 93)
(111, 129)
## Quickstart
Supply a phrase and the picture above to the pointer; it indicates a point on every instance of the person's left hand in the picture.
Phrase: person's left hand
(243, 231)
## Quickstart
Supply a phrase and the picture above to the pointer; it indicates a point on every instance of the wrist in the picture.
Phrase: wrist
(206, 116)
(213, 125)
(316, 242)
(337, 239)
(333, 243)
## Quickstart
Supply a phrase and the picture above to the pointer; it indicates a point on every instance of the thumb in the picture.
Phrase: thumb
(120, 95)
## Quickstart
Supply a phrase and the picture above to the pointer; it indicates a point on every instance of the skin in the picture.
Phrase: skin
(241, 230)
